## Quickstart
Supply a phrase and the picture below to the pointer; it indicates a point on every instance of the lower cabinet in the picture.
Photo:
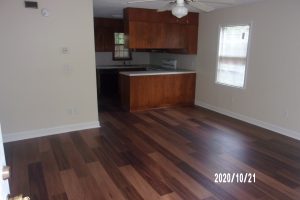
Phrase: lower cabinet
(108, 80)
(156, 91)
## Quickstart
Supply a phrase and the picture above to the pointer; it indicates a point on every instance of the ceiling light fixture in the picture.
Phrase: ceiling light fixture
(180, 10)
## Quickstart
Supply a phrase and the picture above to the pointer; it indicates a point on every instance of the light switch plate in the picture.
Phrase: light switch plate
(65, 50)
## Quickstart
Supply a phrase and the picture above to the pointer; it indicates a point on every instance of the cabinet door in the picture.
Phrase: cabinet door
(192, 39)
(108, 82)
(148, 29)
(145, 35)
(174, 36)
(139, 36)
(104, 33)
(104, 39)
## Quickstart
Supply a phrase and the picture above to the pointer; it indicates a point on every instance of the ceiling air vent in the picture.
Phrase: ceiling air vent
(31, 4)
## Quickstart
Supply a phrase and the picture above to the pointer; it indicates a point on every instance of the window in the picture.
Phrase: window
(121, 52)
(232, 57)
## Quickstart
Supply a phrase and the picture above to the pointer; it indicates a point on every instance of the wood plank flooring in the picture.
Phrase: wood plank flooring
(166, 154)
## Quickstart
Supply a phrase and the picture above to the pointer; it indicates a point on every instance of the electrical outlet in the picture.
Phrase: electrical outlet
(286, 114)
(72, 111)
(75, 111)
(69, 111)
(193, 63)
(232, 99)
(67, 69)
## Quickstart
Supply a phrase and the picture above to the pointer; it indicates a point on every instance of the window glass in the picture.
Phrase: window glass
(121, 51)
(232, 57)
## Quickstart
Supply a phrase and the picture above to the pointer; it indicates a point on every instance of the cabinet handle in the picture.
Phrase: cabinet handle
(5, 172)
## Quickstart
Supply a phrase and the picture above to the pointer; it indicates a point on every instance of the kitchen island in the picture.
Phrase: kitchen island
(143, 90)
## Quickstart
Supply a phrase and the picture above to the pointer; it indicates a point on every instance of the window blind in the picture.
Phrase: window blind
(232, 57)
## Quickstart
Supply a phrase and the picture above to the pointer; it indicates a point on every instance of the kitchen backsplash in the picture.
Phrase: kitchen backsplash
(183, 61)
(105, 58)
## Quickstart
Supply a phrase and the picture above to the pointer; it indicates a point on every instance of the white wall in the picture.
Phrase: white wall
(37, 93)
(271, 97)
(105, 58)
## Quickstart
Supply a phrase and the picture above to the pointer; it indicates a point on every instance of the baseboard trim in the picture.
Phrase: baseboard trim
(266, 125)
(11, 137)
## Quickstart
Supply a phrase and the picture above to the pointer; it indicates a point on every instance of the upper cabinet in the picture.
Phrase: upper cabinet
(104, 33)
(148, 29)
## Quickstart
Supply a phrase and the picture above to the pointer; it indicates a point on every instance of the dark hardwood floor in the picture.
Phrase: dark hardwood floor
(166, 154)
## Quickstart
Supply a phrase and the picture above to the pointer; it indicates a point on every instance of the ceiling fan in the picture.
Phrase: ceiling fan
(179, 7)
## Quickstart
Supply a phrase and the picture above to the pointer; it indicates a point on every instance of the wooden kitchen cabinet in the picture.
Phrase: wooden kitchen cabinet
(192, 39)
(175, 36)
(104, 33)
(149, 29)
(145, 92)
(108, 80)
(150, 15)
(141, 35)
(167, 36)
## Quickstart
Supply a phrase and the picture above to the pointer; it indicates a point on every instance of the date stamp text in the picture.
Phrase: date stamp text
(235, 177)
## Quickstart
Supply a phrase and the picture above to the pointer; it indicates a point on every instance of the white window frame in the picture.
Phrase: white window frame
(247, 57)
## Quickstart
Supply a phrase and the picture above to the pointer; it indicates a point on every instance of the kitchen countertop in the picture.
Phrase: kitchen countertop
(156, 72)
(123, 66)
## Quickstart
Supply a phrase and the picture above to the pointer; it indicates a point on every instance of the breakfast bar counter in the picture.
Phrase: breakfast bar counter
(143, 90)
(156, 72)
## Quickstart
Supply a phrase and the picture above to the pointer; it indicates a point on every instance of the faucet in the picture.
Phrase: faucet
(126, 63)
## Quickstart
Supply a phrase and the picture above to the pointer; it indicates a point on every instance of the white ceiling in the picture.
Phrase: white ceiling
(114, 8)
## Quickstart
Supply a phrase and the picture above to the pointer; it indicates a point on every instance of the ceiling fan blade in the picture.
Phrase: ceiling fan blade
(141, 1)
(201, 6)
(225, 2)
(167, 7)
